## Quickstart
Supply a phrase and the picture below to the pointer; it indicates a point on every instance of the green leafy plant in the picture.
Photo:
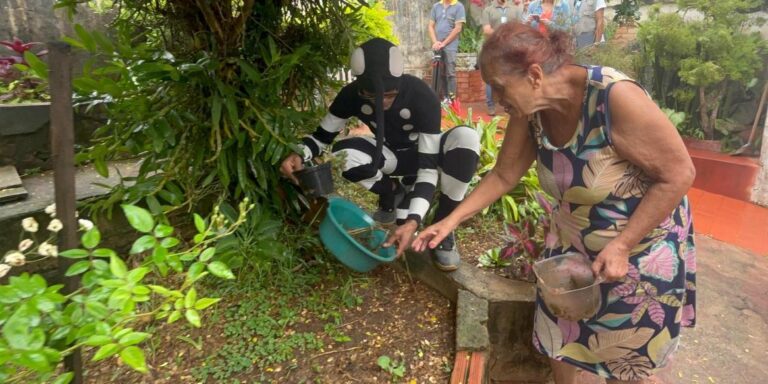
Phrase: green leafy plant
(41, 325)
(396, 369)
(627, 12)
(492, 259)
(508, 207)
(372, 22)
(695, 61)
(213, 110)
(470, 39)
(23, 76)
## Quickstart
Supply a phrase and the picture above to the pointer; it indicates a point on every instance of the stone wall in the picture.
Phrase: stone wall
(36, 20)
(411, 20)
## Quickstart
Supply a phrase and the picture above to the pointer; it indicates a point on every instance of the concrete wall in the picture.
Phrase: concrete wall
(411, 18)
(36, 20)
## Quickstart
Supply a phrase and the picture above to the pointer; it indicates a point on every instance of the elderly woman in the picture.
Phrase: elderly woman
(619, 172)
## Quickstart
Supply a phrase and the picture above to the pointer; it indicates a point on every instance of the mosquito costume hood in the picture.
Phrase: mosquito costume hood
(378, 65)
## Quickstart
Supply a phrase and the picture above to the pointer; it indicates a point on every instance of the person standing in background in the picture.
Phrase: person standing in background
(445, 23)
(588, 22)
(549, 15)
(495, 14)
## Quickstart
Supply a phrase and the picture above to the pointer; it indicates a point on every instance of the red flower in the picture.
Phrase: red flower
(19, 46)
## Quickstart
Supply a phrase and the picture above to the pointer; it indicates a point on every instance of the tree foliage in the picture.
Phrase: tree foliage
(211, 94)
(698, 57)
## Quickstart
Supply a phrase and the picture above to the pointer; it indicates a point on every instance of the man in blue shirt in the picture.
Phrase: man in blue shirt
(445, 23)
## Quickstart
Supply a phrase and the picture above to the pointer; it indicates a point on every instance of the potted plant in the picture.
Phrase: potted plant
(627, 14)
(24, 106)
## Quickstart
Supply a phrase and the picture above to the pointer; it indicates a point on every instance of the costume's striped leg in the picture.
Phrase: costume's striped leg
(358, 153)
(459, 153)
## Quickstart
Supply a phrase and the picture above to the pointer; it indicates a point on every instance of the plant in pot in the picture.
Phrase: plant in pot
(626, 17)
(22, 74)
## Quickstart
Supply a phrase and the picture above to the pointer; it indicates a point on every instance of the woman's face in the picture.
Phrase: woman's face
(516, 92)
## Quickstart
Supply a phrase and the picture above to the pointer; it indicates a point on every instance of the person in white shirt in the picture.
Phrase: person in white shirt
(588, 22)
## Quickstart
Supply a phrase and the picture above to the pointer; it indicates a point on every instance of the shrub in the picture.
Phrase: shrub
(41, 324)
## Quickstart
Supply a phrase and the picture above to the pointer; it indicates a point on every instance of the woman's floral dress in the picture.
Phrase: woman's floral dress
(638, 325)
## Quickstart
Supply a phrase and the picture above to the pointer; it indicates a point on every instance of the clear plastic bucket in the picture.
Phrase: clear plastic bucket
(568, 287)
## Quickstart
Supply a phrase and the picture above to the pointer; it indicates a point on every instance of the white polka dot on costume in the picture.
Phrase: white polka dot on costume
(405, 113)
(413, 136)
(366, 109)
(373, 124)
(407, 127)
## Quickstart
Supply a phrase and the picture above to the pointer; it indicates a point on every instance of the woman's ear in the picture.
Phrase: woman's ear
(535, 75)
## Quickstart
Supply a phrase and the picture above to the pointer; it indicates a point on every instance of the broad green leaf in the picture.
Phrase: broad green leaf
(219, 269)
(112, 283)
(91, 238)
(140, 290)
(195, 270)
(205, 303)
(118, 298)
(199, 223)
(163, 291)
(78, 268)
(98, 340)
(175, 315)
(96, 309)
(65, 378)
(134, 357)
(39, 68)
(104, 252)
(137, 274)
(133, 338)
(85, 37)
(169, 242)
(207, 254)
(162, 230)
(190, 298)
(117, 267)
(34, 360)
(139, 218)
(106, 351)
(142, 244)
(159, 254)
(75, 253)
(193, 317)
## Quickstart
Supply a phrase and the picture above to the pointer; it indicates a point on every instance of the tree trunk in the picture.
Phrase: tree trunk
(705, 123)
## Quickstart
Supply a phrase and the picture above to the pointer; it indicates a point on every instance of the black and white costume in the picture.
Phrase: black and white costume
(414, 148)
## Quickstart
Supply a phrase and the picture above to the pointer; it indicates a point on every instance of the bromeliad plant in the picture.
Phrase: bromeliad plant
(41, 325)
(22, 74)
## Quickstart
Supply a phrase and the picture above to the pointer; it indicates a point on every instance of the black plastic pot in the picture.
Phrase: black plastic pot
(316, 181)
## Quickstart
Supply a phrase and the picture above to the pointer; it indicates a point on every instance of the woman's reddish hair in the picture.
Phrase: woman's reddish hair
(517, 46)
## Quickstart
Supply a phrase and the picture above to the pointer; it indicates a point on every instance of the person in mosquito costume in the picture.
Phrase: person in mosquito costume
(408, 154)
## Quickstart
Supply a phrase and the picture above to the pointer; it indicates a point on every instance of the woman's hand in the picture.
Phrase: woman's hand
(433, 235)
(612, 263)
(402, 236)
